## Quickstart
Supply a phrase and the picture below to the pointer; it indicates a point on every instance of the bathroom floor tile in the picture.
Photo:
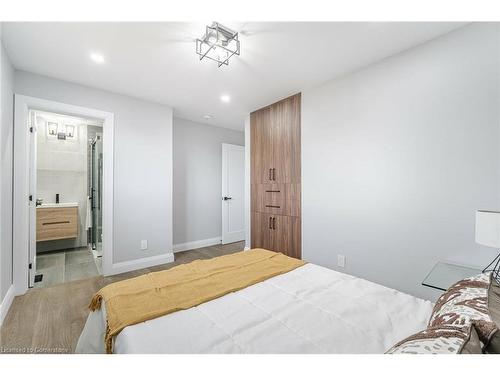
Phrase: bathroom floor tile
(51, 276)
(52, 259)
(80, 271)
(78, 256)
(66, 265)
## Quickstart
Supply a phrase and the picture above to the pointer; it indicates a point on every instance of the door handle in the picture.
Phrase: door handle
(270, 174)
(227, 198)
(270, 222)
(274, 174)
(274, 223)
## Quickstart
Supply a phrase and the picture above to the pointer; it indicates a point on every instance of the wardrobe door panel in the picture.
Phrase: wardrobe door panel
(285, 124)
(281, 145)
(261, 231)
(295, 114)
(285, 236)
(261, 146)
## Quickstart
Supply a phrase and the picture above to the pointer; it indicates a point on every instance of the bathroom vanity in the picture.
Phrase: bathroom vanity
(56, 221)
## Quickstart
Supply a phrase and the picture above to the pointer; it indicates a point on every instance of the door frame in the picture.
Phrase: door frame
(21, 214)
(33, 144)
(225, 148)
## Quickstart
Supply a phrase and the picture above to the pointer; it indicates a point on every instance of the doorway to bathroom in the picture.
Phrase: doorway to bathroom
(68, 161)
(25, 187)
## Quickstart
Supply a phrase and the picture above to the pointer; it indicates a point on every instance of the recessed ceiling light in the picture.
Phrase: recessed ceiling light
(207, 117)
(97, 58)
(225, 98)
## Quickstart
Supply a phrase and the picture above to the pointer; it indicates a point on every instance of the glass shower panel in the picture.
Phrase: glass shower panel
(96, 192)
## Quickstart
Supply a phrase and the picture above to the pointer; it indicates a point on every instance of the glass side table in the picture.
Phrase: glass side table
(444, 275)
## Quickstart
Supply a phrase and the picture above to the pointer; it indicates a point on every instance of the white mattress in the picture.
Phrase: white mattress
(308, 310)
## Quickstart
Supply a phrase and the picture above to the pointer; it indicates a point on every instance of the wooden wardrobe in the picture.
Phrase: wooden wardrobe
(275, 177)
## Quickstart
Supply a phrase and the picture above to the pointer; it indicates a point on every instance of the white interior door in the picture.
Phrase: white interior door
(233, 193)
(32, 198)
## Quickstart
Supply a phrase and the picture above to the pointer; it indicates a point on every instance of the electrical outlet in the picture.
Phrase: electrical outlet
(341, 260)
(144, 244)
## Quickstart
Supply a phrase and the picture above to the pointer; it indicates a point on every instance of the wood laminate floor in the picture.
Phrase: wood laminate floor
(50, 320)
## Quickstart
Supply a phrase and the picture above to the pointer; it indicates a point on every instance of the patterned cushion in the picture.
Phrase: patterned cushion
(494, 312)
(466, 303)
(440, 340)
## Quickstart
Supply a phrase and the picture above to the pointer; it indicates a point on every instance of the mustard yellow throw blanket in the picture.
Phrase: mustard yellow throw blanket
(156, 294)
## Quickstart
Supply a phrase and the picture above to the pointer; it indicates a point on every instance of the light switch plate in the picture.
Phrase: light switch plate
(144, 244)
(341, 260)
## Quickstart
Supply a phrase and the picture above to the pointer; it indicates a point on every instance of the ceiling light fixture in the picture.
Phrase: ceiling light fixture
(225, 98)
(97, 58)
(207, 117)
(219, 43)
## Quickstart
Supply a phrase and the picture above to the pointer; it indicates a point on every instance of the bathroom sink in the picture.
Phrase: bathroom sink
(56, 205)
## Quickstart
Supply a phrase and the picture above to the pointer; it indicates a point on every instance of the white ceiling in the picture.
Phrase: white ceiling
(157, 61)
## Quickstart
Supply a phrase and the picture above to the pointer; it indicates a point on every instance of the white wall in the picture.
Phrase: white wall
(6, 147)
(142, 162)
(397, 157)
(198, 180)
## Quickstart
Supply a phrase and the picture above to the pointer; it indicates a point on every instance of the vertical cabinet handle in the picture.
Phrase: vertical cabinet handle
(272, 222)
(272, 174)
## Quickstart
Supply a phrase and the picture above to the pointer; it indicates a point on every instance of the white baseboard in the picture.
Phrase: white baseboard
(197, 244)
(137, 264)
(5, 305)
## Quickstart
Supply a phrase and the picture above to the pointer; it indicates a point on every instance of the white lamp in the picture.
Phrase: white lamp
(488, 234)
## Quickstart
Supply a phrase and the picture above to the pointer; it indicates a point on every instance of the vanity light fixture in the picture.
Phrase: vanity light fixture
(219, 43)
(225, 98)
(70, 131)
(61, 132)
(52, 128)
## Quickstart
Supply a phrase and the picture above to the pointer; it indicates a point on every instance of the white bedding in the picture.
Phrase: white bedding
(311, 309)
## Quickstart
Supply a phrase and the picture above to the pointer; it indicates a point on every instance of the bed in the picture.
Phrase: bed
(310, 309)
